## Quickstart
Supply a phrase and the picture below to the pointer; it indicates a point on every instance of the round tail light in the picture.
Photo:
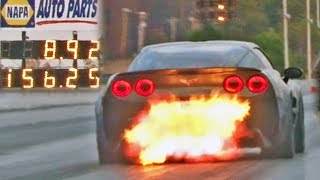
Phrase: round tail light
(257, 84)
(145, 87)
(121, 88)
(233, 84)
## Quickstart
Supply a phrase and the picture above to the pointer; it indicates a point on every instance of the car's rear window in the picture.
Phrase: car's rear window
(189, 57)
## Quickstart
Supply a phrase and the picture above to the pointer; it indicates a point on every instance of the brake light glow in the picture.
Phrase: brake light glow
(145, 87)
(233, 84)
(121, 88)
(257, 84)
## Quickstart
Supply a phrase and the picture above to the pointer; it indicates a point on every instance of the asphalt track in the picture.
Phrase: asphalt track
(59, 143)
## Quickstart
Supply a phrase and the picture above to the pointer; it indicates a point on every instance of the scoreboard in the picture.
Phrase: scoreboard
(70, 78)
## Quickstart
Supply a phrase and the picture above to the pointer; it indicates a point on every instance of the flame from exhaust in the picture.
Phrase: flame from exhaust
(190, 129)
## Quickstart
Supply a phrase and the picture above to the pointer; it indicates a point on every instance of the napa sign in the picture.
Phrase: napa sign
(50, 14)
(17, 13)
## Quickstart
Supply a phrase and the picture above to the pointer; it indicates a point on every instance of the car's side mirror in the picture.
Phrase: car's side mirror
(292, 73)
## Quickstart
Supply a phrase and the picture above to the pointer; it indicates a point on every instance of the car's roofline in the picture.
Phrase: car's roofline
(248, 45)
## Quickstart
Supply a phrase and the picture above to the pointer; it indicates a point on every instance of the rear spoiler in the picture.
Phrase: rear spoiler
(189, 71)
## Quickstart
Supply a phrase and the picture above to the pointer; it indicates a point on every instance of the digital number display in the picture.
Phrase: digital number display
(72, 49)
(51, 49)
(50, 78)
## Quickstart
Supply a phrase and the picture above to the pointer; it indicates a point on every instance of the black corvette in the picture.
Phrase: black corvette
(186, 70)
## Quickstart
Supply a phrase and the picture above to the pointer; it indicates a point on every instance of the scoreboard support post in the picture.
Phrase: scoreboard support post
(75, 37)
(23, 63)
(75, 61)
(24, 38)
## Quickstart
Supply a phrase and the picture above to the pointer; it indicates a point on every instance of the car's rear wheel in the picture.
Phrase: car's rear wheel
(287, 148)
(107, 153)
(300, 129)
(284, 148)
(103, 150)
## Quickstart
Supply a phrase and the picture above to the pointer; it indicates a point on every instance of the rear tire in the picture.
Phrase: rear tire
(103, 150)
(300, 129)
(287, 148)
(106, 152)
(282, 149)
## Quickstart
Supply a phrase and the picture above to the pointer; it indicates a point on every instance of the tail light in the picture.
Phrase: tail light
(233, 84)
(121, 88)
(145, 87)
(257, 84)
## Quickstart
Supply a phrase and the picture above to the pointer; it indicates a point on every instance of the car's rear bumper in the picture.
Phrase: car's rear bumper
(118, 115)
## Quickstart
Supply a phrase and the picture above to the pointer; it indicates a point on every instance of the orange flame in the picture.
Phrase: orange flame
(200, 127)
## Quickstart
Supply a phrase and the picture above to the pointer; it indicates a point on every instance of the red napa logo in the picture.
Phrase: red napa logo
(67, 11)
